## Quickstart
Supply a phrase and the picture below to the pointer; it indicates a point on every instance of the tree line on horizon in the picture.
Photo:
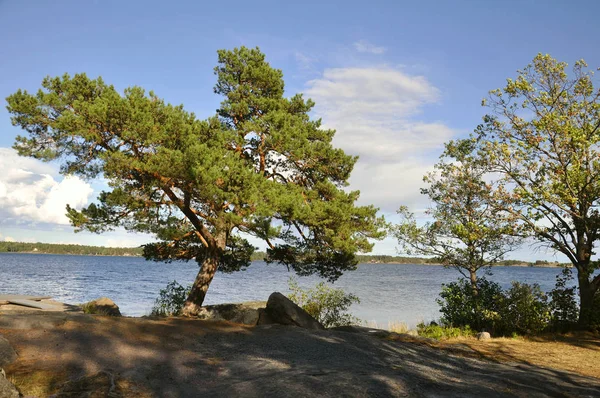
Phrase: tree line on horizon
(88, 250)
(262, 167)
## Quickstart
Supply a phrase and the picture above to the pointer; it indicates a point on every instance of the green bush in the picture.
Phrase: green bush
(324, 303)
(170, 300)
(460, 307)
(435, 331)
(525, 310)
(563, 304)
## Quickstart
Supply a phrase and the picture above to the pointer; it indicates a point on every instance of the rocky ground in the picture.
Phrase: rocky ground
(73, 354)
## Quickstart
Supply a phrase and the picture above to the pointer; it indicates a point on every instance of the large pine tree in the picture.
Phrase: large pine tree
(261, 167)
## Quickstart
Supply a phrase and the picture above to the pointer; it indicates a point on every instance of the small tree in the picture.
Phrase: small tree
(543, 138)
(465, 233)
(260, 168)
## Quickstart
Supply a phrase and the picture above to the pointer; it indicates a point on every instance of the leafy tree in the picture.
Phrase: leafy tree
(542, 137)
(465, 233)
(261, 167)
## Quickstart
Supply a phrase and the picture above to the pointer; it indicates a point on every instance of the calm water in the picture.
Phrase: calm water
(388, 292)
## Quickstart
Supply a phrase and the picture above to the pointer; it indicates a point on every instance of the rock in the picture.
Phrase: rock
(102, 306)
(483, 336)
(245, 313)
(285, 312)
(264, 318)
(7, 353)
(7, 389)
(412, 332)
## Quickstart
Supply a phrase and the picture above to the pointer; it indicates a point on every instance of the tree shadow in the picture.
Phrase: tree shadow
(186, 357)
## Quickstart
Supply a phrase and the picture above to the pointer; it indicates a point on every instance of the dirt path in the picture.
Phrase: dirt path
(186, 358)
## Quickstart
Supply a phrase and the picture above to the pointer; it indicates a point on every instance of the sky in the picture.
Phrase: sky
(396, 79)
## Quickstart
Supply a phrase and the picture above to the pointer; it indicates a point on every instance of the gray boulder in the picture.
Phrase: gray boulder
(282, 310)
(7, 389)
(245, 313)
(7, 353)
(483, 336)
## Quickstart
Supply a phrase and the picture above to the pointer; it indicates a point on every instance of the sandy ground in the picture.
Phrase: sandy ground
(189, 358)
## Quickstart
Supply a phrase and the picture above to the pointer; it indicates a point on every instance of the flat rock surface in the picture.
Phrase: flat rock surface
(187, 357)
(7, 353)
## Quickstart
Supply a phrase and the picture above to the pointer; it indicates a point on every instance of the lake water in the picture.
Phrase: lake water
(388, 292)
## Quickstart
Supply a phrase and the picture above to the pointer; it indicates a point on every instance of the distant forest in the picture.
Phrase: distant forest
(50, 248)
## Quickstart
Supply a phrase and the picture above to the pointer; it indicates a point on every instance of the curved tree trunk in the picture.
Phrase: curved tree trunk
(201, 283)
(205, 276)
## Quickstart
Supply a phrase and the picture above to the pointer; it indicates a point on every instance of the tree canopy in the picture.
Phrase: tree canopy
(465, 232)
(260, 167)
(542, 138)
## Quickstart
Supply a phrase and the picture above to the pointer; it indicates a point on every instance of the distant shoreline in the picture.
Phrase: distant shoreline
(522, 265)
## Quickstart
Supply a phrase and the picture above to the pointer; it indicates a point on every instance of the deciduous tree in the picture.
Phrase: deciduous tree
(465, 232)
(542, 136)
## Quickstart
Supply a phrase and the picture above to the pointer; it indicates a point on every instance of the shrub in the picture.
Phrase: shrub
(522, 309)
(170, 300)
(460, 307)
(435, 331)
(324, 303)
(563, 306)
(525, 310)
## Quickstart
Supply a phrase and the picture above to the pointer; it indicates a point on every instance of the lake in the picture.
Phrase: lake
(388, 292)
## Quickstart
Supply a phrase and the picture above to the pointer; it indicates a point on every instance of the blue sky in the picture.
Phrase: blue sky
(396, 79)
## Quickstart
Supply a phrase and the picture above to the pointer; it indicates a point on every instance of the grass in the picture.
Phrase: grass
(392, 326)
(574, 352)
(37, 383)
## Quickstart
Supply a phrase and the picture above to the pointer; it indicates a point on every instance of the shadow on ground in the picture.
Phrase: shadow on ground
(183, 357)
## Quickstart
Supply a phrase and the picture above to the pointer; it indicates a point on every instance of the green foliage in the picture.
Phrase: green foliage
(522, 309)
(465, 232)
(170, 300)
(525, 310)
(260, 167)
(435, 331)
(324, 303)
(49, 248)
(563, 304)
(542, 140)
(461, 307)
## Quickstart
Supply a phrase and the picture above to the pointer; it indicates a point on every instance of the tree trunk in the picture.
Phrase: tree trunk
(586, 304)
(200, 287)
(205, 276)
(473, 279)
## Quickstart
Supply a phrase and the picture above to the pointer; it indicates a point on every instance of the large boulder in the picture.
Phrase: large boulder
(7, 389)
(7, 353)
(282, 310)
(102, 306)
(246, 313)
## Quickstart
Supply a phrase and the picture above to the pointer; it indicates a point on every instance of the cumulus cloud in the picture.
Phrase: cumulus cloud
(31, 192)
(363, 46)
(6, 238)
(375, 112)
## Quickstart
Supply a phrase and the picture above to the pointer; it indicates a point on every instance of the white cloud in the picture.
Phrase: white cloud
(363, 46)
(7, 238)
(29, 191)
(374, 111)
